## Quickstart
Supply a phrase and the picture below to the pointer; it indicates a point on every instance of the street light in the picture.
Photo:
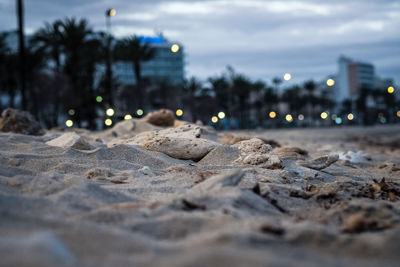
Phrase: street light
(109, 13)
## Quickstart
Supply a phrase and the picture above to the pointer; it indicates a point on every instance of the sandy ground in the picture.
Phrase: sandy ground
(125, 205)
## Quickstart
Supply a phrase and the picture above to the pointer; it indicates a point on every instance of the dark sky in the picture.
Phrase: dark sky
(260, 38)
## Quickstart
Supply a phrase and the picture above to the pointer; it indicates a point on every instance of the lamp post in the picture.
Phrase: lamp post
(20, 16)
(109, 13)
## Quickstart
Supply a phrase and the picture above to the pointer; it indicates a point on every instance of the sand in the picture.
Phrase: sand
(118, 204)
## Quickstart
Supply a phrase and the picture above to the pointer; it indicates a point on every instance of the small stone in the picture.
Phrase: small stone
(17, 121)
(146, 171)
(291, 152)
(216, 182)
(70, 140)
(321, 162)
(162, 117)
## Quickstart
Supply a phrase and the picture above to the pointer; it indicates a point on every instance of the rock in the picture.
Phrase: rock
(233, 138)
(162, 117)
(180, 148)
(291, 152)
(72, 140)
(188, 131)
(256, 152)
(253, 145)
(178, 123)
(216, 182)
(321, 162)
(221, 156)
(17, 121)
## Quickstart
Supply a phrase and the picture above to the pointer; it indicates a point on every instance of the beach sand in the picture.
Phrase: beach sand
(301, 197)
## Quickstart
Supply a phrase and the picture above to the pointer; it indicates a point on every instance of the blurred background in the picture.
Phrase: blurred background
(231, 64)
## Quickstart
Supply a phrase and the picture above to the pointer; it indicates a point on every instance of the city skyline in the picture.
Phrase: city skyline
(259, 38)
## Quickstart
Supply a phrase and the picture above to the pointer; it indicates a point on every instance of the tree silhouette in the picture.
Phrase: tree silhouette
(310, 87)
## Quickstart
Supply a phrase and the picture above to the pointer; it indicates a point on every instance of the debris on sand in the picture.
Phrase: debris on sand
(70, 140)
(256, 152)
(17, 121)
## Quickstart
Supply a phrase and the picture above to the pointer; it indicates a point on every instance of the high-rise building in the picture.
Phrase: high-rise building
(167, 64)
(353, 76)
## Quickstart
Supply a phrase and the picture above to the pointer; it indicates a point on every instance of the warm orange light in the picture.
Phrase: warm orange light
(289, 118)
(214, 119)
(390, 89)
(272, 114)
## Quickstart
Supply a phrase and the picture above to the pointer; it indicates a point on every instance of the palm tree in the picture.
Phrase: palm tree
(48, 39)
(8, 70)
(276, 81)
(74, 36)
(132, 49)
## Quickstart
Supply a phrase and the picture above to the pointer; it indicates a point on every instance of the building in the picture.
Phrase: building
(353, 76)
(167, 64)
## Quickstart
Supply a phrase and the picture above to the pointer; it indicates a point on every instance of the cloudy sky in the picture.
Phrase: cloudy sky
(260, 38)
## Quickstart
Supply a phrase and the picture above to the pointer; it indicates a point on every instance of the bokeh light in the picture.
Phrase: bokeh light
(69, 123)
(99, 99)
(128, 117)
(108, 122)
(324, 115)
(287, 76)
(272, 114)
(71, 112)
(139, 112)
(398, 113)
(179, 112)
(382, 120)
(214, 119)
(300, 117)
(350, 116)
(221, 115)
(110, 112)
(174, 48)
(390, 89)
(333, 117)
(289, 118)
(338, 120)
(330, 82)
